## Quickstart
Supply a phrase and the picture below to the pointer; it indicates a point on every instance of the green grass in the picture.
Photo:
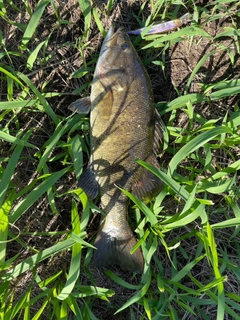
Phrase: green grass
(189, 235)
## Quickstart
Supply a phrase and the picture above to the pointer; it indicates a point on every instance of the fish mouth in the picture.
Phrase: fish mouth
(109, 33)
(110, 37)
(105, 45)
(110, 41)
(112, 31)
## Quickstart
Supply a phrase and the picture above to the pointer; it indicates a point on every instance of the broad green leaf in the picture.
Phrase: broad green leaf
(224, 84)
(12, 76)
(87, 291)
(182, 102)
(147, 308)
(74, 270)
(186, 219)
(197, 67)
(120, 281)
(98, 22)
(73, 305)
(184, 32)
(217, 187)
(85, 5)
(231, 169)
(213, 284)
(50, 193)
(78, 239)
(9, 170)
(234, 296)
(228, 32)
(4, 212)
(63, 310)
(216, 95)
(39, 313)
(60, 130)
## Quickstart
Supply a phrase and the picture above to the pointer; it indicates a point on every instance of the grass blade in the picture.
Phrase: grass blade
(33, 23)
(35, 194)
(194, 144)
(60, 130)
(32, 261)
(14, 140)
(6, 105)
(149, 214)
(86, 9)
(180, 190)
(77, 155)
(47, 108)
(74, 270)
(12, 163)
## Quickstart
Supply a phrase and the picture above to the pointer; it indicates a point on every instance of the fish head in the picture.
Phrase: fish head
(117, 59)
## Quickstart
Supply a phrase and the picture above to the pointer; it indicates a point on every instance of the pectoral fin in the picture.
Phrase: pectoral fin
(82, 106)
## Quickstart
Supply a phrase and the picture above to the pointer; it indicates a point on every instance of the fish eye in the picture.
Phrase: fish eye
(124, 46)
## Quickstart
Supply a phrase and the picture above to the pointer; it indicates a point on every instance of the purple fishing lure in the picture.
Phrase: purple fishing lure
(164, 26)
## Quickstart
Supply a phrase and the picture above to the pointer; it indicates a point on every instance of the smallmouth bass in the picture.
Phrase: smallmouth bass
(123, 128)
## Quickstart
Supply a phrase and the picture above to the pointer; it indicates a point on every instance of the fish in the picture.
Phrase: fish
(163, 26)
(124, 126)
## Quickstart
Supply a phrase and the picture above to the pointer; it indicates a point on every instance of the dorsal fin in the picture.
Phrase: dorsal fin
(148, 185)
(158, 133)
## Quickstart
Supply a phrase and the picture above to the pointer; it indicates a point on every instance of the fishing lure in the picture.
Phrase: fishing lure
(164, 26)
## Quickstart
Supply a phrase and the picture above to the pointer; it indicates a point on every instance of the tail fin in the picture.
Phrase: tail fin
(114, 247)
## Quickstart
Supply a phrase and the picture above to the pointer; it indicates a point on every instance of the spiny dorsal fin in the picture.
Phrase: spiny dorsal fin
(149, 185)
(158, 133)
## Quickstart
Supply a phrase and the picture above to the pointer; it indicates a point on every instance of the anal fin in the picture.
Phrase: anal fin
(88, 183)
